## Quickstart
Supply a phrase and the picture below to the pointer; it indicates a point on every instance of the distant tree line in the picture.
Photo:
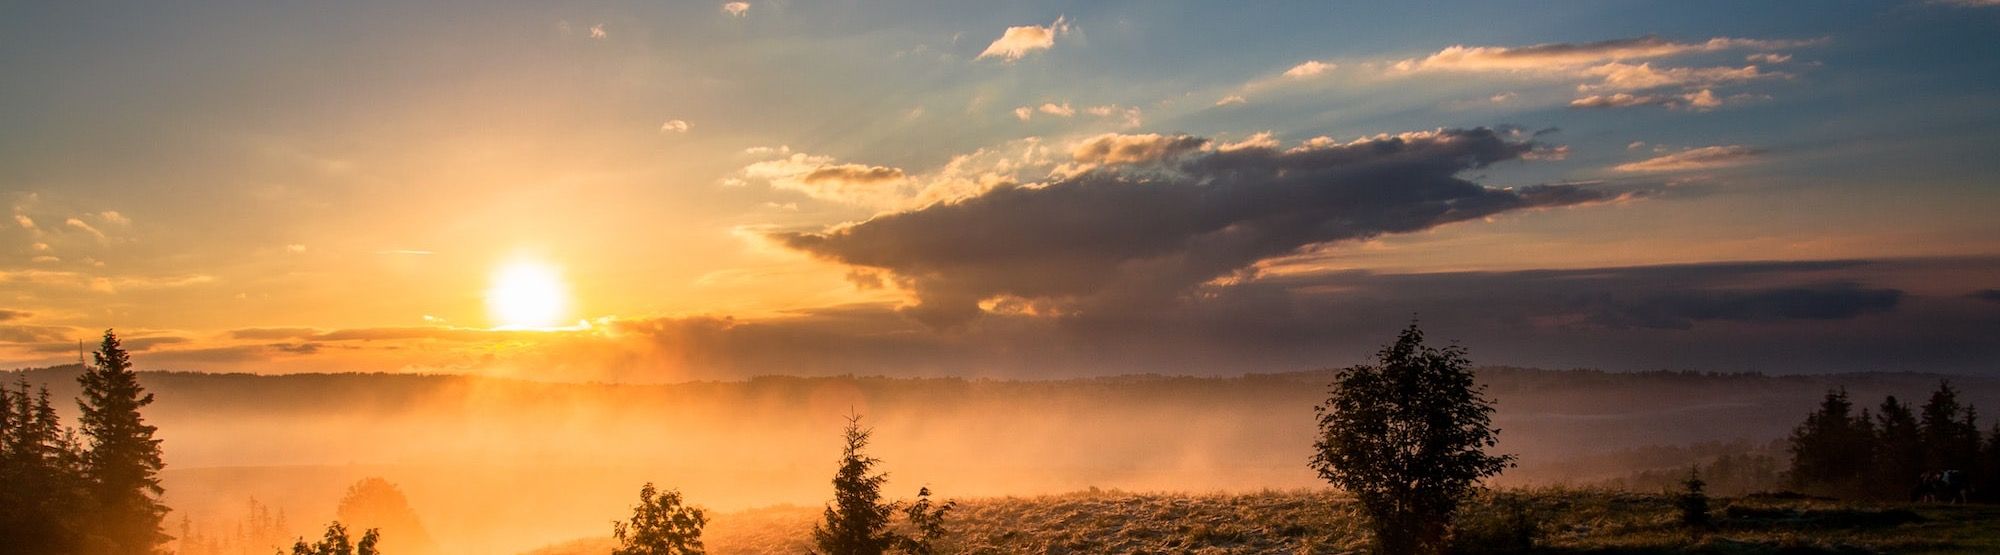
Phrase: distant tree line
(89, 490)
(1933, 452)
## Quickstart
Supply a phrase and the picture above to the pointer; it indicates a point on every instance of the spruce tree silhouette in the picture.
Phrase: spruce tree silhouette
(1899, 450)
(1830, 450)
(857, 522)
(1408, 438)
(124, 460)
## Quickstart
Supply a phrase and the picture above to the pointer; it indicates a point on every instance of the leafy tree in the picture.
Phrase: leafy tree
(124, 461)
(1830, 450)
(336, 542)
(1899, 450)
(1408, 438)
(660, 525)
(374, 503)
(1950, 431)
(928, 520)
(857, 523)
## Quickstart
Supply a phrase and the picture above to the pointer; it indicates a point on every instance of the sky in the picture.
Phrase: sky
(668, 191)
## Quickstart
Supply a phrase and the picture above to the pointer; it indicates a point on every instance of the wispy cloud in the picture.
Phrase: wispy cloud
(1704, 158)
(1308, 69)
(738, 9)
(674, 126)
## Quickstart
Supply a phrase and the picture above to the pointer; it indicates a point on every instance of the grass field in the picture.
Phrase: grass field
(1561, 521)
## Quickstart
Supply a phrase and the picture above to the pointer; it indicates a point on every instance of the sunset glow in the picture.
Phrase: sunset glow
(527, 295)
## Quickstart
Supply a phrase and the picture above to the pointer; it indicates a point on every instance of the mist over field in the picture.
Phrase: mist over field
(498, 465)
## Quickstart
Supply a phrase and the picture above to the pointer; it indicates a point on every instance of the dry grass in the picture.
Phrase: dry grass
(1566, 521)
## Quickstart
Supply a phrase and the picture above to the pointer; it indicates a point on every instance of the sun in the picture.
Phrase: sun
(527, 294)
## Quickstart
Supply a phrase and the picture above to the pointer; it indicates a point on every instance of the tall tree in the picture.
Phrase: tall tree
(43, 499)
(857, 523)
(1949, 430)
(1899, 450)
(375, 504)
(124, 461)
(1408, 438)
(1830, 450)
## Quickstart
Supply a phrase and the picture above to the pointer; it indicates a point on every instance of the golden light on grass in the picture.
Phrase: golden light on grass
(527, 294)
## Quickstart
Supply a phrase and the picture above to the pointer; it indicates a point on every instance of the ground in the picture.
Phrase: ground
(1562, 521)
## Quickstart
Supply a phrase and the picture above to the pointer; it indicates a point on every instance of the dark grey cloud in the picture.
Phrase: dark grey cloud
(7, 315)
(1987, 294)
(1776, 317)
(1164, 217)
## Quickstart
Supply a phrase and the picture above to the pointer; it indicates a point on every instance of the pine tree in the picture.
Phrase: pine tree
(928, 521)
(1899, 450)
(1408, 439)
(1830, 450)
(1949, 431)
(336, 542)
(124, 460)
(857, 523)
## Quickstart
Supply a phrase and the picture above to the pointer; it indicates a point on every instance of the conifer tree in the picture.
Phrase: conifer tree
(1950, 432)
(857, 522)
(124, 459)
(1830, 450)
(1899, 450)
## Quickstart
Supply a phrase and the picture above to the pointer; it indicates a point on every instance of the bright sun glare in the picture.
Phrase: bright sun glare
(527, 295)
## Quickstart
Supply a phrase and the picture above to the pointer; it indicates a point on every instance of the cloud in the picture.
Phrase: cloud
(1987, 295)
(9, 315)
(1550, 56)
(404, 252)
(1018, 42)
(1059, 110)
(1629, 77)
(674, 126)
(113, 217)
(738, 9)
(295, 248)
(1230, 100)
(1308, 69)
(1701, 101)
(84, 226)
(1704, 158)
(822, 178)
(1158, 214)
(1768, 58)
(597, 32)
(24, 221)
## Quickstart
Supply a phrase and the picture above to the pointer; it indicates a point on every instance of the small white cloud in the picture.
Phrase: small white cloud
(1017, 42)
(1636, 145)
(39, 247)
(1230, 100)
(738, 9)
(45, 259)
(1768, 58)
(1308, 69)
(295, 248)
(1024, 113)
(24, 221)
(1059, 110)
(674, 126)
(597, 31)
(84, 226)
(112, 216)
(1502, 98)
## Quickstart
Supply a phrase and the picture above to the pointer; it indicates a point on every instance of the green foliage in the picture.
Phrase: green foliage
(1408, 439)
(124, 461)
(857, 522)
(1693, 502)
(336, 542)
(660, 525)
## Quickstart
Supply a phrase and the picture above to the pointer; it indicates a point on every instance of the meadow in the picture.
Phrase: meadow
(1558, 520)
